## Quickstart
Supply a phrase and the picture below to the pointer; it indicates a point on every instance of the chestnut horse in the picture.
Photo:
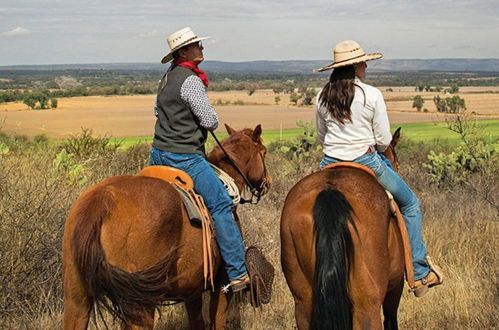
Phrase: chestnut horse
(341, 250)
(129, 245)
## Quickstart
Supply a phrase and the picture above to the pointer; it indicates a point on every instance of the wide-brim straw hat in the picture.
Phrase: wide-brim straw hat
(349, 52)
(180, 39)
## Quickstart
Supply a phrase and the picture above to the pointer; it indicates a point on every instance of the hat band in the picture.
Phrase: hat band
(349, 59)
(183, 44)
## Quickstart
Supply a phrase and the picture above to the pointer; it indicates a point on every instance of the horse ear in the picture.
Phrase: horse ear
(257, 132)
(230, 130)
(396, 137)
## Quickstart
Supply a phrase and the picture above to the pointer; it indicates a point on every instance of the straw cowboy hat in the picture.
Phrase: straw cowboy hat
(348, 52)
(180, 39)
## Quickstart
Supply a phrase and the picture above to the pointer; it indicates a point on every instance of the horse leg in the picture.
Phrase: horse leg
(367, 318)
(147, 322)
(194, 309)
(391, 305)
(77, 303)
(219, 307)
(301, 290)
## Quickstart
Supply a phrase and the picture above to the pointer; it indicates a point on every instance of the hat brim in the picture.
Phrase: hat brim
(168, 57)
(363, 58)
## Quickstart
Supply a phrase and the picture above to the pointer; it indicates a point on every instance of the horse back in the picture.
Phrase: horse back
(141, 220)
(373, 232)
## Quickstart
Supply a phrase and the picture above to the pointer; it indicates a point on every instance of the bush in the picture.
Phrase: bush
(474, 163)
(36, 100)
(418, 102)
(453, 104)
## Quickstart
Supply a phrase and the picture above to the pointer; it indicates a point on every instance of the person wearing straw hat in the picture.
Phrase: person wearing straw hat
(184, 116)
(352, 125)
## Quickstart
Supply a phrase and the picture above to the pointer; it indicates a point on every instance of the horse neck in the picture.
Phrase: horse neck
(218, 158)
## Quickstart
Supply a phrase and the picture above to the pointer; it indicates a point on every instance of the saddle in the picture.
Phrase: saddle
(409, 269)
(196, 211)
(260, 270)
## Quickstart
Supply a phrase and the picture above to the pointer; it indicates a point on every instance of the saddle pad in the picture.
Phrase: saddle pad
(192, 210)
(261, 273)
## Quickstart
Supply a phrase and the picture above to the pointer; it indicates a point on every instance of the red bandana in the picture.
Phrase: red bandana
(194, 67)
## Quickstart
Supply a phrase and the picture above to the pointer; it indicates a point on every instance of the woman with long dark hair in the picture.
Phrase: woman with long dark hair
(352, 125)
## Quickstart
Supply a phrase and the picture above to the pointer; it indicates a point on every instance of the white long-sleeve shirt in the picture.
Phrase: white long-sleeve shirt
(369, 125)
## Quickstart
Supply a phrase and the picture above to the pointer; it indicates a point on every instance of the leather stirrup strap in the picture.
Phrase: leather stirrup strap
(409, 268)
(207, 233)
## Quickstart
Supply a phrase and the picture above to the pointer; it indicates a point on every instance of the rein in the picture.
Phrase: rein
(254, 192)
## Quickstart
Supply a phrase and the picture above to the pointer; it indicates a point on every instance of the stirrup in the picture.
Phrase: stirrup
(423, 287)
(240, 283)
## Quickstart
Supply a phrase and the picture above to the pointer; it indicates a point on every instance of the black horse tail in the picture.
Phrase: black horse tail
(333, 248)
(125, 295)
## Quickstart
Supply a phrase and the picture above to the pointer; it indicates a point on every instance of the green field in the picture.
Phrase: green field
(423, 132)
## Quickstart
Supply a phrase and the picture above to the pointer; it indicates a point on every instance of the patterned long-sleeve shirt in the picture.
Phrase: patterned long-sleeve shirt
(193, 92)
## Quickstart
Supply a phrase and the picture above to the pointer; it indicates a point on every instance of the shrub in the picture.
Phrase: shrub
(418, 102)
(474, 163)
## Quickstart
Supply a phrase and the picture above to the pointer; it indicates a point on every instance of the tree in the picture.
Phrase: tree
(36, 100)
(418, 102)
(293, 97)
(453, 89)
(455, 104)
(277, 89)
(440, 104)
(309, 96)
(277, 99)
(53, 103)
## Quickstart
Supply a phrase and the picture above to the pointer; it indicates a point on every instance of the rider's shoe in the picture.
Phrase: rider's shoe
(434, 277)
(240, 283)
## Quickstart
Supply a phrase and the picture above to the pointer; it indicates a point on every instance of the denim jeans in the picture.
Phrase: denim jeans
(406, 200)
(218, 201)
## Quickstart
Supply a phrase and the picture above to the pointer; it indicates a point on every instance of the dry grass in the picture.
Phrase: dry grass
(460, 230)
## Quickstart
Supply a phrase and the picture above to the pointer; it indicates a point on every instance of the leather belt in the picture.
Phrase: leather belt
(371, 150)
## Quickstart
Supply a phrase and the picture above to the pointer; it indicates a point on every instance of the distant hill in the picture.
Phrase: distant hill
(290, 67)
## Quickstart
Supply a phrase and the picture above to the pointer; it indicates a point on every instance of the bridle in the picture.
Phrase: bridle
(256, 193)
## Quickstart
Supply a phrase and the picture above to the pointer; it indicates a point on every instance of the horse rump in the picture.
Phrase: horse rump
(127, 296)
(333, 247)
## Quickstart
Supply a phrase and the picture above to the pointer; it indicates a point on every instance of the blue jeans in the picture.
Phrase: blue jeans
(218, 201)
(406, 200)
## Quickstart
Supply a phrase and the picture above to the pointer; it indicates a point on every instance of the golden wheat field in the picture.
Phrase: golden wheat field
(124, 116)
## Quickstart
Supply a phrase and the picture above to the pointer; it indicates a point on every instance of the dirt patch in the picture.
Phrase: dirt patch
(123, 116)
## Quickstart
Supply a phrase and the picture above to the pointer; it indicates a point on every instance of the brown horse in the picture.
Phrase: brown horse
(128, 244)
(341, 250)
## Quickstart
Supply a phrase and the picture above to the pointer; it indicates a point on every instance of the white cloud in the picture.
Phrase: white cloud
(15, 32)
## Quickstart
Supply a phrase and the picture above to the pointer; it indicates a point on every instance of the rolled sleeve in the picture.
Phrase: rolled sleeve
(193, 92)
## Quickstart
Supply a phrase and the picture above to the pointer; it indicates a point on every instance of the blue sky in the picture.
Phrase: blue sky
(91, 31)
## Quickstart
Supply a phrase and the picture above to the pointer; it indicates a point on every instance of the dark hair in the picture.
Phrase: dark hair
(337, 95)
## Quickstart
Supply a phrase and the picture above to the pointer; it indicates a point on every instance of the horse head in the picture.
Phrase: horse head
(246, 149)
(390, 151)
